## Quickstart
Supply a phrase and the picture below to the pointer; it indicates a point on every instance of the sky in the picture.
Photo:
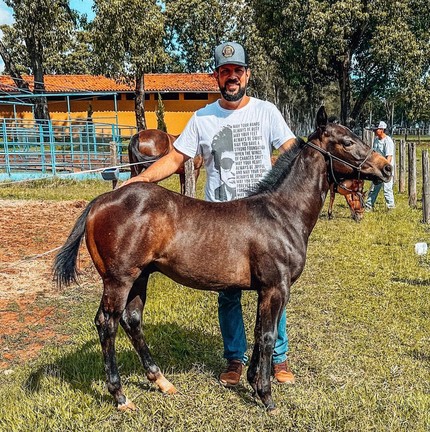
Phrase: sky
(6, 16)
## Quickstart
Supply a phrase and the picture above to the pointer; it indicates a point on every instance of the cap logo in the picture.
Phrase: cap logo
(228, 51)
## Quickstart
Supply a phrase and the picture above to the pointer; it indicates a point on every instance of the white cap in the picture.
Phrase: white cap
(381, 125)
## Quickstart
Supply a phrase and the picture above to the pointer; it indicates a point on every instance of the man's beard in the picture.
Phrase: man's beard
(233, 97)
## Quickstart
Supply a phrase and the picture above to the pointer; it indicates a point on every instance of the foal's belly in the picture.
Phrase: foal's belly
(208, 275)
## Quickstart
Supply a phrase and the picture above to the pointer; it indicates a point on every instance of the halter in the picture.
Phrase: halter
(329, 157)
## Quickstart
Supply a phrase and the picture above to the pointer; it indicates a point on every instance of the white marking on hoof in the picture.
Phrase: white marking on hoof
(273, 412)
(127, 406)
(165, 386)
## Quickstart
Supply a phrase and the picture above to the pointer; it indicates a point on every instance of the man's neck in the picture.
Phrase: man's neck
(234, 105)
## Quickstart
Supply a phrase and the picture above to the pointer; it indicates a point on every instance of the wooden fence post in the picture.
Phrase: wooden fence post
(368, 136)
(113, 160)
(190, 180)
(412, 178)
(402, 166)
(426, 187)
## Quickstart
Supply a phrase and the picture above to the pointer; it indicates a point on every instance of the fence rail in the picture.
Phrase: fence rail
(49, 147)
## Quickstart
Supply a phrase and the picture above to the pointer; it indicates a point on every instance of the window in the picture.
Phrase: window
(168, 96)
(56, 98)
(106, 97)
(131, 96)
(195, 96)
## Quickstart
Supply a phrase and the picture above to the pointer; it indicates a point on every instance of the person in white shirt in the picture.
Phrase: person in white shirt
(384, 145)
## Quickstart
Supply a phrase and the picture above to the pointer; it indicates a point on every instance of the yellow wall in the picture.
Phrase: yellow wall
(176, 112)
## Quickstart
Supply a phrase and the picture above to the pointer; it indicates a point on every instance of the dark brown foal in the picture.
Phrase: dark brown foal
(142, 228)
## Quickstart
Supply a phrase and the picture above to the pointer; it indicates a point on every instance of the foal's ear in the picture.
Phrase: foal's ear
(321, 118)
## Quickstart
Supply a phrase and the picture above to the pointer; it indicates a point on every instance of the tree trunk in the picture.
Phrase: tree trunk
(139, 103)
(11, 68)
(35, 51)
(345, 89)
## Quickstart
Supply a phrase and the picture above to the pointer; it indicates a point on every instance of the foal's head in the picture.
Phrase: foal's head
(347, 154)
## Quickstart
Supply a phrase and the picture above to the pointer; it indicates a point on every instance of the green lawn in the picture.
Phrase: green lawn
(359, 329)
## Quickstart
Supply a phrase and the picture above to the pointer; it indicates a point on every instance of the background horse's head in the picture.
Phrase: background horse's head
(352, 190)
(347, 155)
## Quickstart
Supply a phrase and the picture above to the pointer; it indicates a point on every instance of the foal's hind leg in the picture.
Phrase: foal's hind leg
(131, 321)
(107, 318)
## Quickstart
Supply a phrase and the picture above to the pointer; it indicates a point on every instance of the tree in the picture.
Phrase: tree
(365, 46)
(159, 112)
(128, 42)
(39, 25)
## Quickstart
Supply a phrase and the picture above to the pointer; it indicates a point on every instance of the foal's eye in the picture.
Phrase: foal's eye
(347, 143)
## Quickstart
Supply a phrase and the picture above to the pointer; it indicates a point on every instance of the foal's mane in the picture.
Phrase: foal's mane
(280, 170)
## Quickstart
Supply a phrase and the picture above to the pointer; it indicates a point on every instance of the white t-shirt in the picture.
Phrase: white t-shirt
(385, 147)
(236, 145)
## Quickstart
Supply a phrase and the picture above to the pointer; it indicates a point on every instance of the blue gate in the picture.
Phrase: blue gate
(30, 148)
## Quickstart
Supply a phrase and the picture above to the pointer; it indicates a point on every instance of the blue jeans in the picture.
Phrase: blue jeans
(233, 331)
(388, 194)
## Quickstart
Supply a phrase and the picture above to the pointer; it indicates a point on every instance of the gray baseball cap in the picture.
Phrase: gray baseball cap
(230, 53)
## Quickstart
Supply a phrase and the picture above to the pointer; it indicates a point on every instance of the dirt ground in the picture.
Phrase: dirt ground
(29, 233)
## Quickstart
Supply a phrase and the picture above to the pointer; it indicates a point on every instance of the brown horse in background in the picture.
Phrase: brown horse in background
(149, 145)
(352, 190)
(254, 243)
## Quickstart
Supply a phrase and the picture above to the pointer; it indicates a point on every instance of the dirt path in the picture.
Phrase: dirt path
(27, 230)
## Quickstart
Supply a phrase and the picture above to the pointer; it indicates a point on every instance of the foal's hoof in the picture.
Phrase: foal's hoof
(273, 411)
(165, 386)
(127, 406)
(170, 390)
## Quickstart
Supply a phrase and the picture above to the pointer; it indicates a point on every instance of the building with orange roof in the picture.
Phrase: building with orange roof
(73, 97)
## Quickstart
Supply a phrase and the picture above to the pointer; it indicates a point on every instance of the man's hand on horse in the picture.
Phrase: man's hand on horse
(132, 180)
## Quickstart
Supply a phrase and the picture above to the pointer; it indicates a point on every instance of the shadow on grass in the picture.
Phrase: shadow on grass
(174, 349)
(416, 282)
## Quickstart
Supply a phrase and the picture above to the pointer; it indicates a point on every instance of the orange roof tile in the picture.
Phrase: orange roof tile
(169, 82)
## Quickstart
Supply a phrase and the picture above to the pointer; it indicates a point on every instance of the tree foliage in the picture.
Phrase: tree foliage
(40, 26)
(128, 42)
(359, 57)
(366, 46)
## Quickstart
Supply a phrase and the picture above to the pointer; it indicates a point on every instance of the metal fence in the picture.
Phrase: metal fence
(40, 148)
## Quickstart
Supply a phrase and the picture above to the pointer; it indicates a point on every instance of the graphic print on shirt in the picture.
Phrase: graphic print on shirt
(238, 157)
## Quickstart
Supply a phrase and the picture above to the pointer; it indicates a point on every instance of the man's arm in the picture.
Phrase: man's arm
(287, 145)
(163, 168)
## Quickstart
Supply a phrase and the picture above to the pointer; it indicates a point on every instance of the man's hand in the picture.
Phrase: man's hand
(163, 168)
(133, 180)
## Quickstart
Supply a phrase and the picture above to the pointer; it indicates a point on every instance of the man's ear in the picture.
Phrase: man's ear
(215, 74)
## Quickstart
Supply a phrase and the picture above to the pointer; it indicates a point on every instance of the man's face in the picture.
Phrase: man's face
(232, 81)
(379, 133)
(228, 169)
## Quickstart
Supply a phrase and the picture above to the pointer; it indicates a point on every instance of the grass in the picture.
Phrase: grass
(58, 189)
(359, 330)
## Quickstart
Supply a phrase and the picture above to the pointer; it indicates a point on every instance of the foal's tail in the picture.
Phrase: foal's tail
(64, 268)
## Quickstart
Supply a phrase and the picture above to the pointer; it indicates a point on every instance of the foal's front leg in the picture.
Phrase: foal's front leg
(270, 305)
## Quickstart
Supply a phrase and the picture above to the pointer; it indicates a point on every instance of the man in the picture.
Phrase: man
(235, 135)
(384, 145)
